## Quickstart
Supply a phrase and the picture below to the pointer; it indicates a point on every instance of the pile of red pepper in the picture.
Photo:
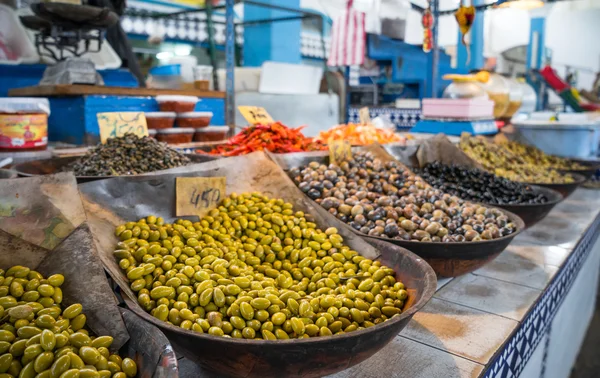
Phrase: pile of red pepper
(274, 137)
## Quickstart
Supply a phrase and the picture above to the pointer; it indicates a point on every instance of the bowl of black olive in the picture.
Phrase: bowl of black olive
(530, 202)
(380, 198)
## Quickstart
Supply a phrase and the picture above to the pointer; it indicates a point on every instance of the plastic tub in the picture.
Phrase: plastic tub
(567, 137)
(175, 135)
(177, 104)
(23, 124)
(211, 134)
(160, 120)
(194, 119)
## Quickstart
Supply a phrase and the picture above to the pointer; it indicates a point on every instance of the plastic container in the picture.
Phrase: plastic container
(177, 104)
(160, 120)
(498, 90)
(23, 124)
(211, 134)
(515, 97)
(166, 77)
(175, 135)
(466, 108)
(194, 119)
(573, 135)
(152, 133)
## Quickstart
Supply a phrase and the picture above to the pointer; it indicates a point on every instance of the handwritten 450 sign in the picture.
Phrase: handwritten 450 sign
(198, 195)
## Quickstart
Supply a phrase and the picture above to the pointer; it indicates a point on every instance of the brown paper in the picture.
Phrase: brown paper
(109, 203)
(42, 226)
(439, 148)
(198, 195)
(339, 151)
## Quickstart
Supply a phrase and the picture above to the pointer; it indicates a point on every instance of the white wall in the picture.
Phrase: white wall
(573, 37)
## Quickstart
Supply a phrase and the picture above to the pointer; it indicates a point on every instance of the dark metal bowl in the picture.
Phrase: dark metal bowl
(564, 189)
(313, 357)
(446, 259)
(591, 167)
(533, 213)
(56, 165)
(455, 259)
(8, 174)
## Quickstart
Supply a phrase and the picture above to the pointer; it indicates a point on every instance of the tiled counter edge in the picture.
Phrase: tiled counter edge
(512, 357)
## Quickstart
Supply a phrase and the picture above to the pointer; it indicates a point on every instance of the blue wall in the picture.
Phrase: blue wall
(277, 41)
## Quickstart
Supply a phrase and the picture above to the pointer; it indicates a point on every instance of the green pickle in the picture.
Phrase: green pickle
(253, 268)
(40, 338)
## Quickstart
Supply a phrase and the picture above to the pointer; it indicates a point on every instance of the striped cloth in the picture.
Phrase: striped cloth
(348, 38)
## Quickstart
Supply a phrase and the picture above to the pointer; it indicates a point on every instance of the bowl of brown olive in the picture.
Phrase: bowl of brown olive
(380, 198)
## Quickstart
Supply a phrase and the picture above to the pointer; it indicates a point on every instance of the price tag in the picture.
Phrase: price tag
(339, 151)
(364, 116)
(198, 195)
(255, 115)
(117, 124)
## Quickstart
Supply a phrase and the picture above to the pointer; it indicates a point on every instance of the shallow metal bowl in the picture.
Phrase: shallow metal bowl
(56, 165)
(312, 357)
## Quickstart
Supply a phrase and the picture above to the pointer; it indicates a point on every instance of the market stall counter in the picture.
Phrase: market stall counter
(525, 312)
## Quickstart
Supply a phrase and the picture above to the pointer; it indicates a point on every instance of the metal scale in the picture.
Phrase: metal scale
(65, 32)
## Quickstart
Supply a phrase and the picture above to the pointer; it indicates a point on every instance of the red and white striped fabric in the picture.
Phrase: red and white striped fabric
(348, 38)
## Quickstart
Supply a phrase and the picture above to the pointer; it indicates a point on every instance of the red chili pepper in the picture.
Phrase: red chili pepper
(275, 137)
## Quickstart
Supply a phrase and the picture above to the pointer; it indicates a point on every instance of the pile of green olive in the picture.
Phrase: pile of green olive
(385, 199)
(255, 269)
(39, 338)
(504, 162)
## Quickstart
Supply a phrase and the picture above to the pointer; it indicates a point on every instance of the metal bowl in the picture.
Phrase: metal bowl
(313, 357)
(56, 165)
(564, 189)
(533, 213)
(446, 259)
(591, 167)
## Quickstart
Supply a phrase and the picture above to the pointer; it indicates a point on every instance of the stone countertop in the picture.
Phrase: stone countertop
(473, 317)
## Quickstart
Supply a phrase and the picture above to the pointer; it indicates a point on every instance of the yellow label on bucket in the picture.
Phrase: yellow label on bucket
(23, 131)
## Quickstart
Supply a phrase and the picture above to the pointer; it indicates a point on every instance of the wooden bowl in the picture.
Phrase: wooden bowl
(533, 213)
(313, 357)
(564, 189)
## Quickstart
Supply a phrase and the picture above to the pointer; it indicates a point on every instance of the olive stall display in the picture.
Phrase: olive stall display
(385, 199)
(41, 338)
(502, 162)
(254, 268)
(475, 185)
(534, 156)
(128, 155)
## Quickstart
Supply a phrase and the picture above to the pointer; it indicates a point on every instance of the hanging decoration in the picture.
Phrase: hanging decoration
(427, 22)
(464, 17)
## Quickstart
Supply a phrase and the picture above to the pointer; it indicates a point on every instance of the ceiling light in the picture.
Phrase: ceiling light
(164, 55)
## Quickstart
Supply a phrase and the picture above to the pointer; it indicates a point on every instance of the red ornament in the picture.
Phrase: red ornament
(427, 22)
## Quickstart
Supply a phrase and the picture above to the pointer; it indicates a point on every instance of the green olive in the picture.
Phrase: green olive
(253, 268)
